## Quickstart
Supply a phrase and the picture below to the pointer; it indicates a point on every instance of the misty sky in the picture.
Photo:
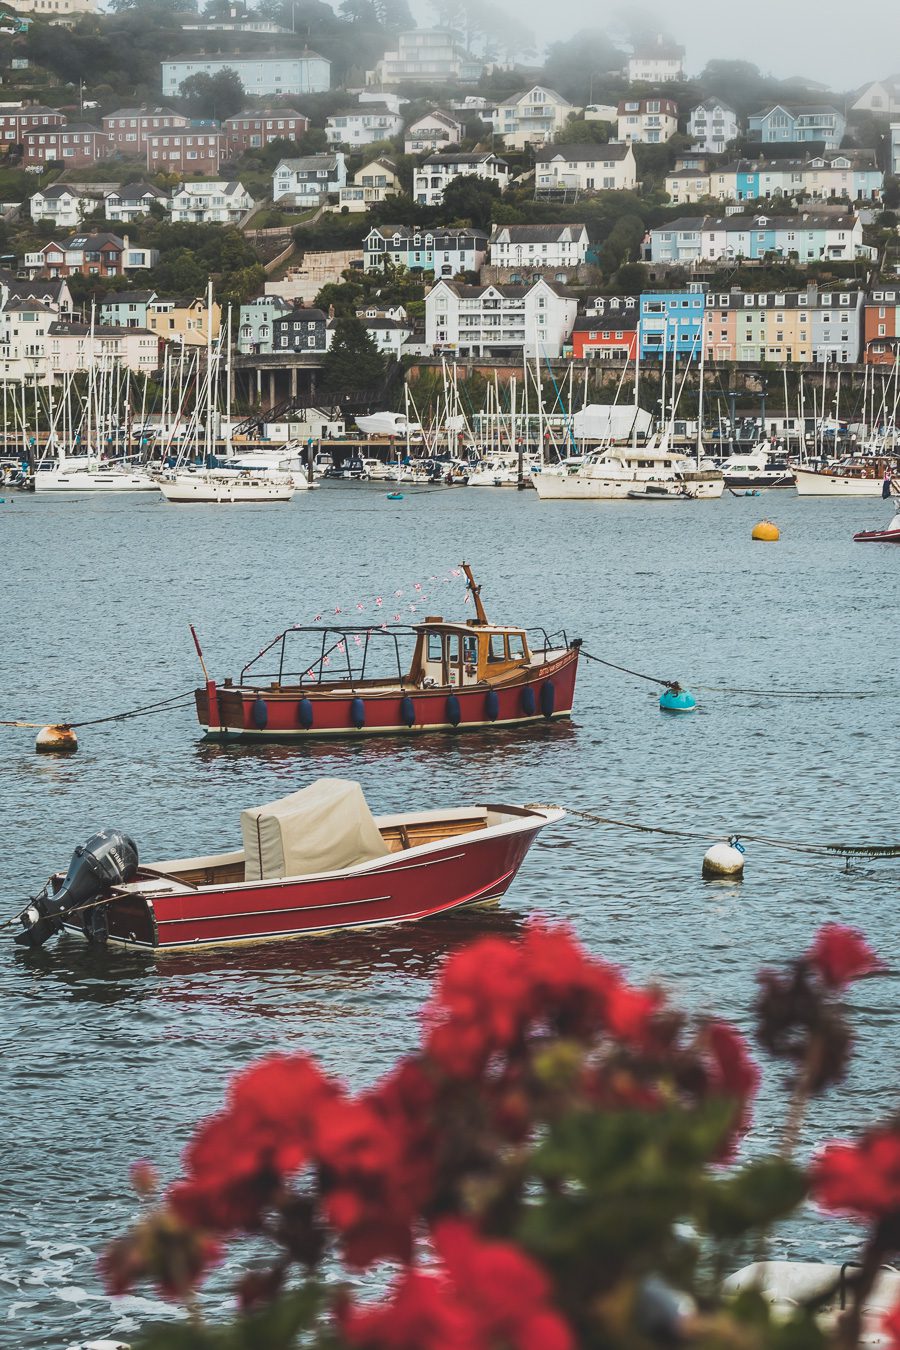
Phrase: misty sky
(843, 46)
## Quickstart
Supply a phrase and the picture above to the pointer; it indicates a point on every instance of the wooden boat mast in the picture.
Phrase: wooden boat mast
(482, 618)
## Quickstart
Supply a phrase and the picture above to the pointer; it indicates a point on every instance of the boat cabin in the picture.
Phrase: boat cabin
(460, 654)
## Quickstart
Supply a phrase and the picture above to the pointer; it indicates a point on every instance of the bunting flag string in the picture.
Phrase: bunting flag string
(420, 591)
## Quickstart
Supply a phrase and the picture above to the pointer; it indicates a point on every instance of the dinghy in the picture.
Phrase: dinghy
(313, 862)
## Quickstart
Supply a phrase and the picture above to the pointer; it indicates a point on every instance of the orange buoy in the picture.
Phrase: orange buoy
(765, 532)
(58, 739)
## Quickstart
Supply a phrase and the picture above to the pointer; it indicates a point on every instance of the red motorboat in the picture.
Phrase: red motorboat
(313, 862)
(355, 681)
(890, 535)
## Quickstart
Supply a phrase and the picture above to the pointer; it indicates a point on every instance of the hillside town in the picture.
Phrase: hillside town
(448, 199)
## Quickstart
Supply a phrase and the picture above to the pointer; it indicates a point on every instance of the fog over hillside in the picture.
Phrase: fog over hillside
(842, 48)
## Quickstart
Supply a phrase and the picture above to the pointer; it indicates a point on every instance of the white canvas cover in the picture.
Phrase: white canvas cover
(322, 828)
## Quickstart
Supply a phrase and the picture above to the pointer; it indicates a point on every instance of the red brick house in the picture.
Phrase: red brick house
(252, 130)
(129, 128)
(74, 143)
(14, 122)
(187, 150)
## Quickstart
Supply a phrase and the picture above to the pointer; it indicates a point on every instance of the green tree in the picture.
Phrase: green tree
(891, 194)
(471, 200)
(353, 361)
(220, 95)
(578, 132)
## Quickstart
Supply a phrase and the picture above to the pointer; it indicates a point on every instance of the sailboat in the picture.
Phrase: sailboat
(220, 486)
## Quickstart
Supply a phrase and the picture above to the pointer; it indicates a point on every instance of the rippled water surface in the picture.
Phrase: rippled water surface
(109, 1057)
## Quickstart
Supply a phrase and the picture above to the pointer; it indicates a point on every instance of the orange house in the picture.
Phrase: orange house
(606, 337)
(881, 324)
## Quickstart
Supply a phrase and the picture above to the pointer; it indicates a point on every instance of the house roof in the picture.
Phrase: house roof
(100, 240)
(614, 319)
(127, 298)
(307, 162)
(435, 232)
(666, 105)
(535, 234)
(135, 192)
(208, 59)
(436, 115)
(450, 158)
(804, 221)
(364, 110)
(282, 113)
(142, 112)
(36, 290)
(227, 188)
(29, 305)
(307, 315)
(798, 109)
(68, 328)
(511, 291)
(517, 98)
(580, 152)
(56, 190)
(709, 104)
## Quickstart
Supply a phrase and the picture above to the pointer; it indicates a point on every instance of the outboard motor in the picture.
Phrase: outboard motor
(108, 859)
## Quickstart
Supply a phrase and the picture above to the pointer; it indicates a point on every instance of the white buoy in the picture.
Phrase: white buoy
(56, 740)
(723, 860)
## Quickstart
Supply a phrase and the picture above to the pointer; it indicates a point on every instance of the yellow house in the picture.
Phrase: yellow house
(183, 321)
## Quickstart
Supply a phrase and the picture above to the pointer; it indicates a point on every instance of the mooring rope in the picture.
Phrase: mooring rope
(767, 840)
(161, 705)
(739, 689)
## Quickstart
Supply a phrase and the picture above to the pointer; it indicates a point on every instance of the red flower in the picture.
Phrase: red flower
(890, 1326)
(490, 1294)
(840, 955)
(861, 1178)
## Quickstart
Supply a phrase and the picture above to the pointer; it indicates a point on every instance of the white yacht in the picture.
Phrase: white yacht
(89, 473)
(651, 472)
(757, 468)
(221, 487)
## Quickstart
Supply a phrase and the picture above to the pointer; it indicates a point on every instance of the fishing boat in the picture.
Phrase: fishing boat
(889, 535)
(313, 862)
(349, 681)
(852, 476)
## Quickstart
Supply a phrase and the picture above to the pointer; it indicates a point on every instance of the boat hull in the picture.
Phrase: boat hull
(199, 490)
(815, 483)
(81, 481)
(877, 537)
(464, 870)
(337, 714)
(551, 487)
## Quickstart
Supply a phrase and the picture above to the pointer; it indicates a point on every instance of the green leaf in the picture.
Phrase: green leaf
(754, 1197)
(276, 1327)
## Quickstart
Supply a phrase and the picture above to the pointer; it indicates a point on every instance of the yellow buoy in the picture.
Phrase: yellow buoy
(765, 532)
(56, 740)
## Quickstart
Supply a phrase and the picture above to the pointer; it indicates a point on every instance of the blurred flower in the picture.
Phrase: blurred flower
(840, 955)
(863, 1177)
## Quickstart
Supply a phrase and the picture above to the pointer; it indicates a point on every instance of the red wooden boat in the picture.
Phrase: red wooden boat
(353, 681)
(313, 862)
(889, 535)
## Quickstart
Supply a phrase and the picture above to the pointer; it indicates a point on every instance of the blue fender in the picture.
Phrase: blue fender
(305, 714)
(260, 713)
(407, 711)
(358, 713)
(454, 712)
(548, 698)
(529, 703)
(491, 705)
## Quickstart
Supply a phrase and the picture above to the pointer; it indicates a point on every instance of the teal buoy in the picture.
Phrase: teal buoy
(395, 496)
(677, 700)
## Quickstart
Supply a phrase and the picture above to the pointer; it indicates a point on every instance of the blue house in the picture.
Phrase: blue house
(126, 309)
(822, 124)
(671, 322)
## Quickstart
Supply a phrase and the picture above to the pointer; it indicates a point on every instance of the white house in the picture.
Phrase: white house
(373, 183)
(646, 121)
(656, 63)
(24, 325)
(427, 55)
(70, 348)
(286, 73)
(687, 185)
(538, 247)
(435, 131)
(364, 125)
(216, 203)
(533, 320)
(433, 175)
(584, 168)
(389, 329)
(531, 118)
(60, 206)
(808, 237)
(133, 201)
(444, 250)
(895, 148)
(882, 97)
(308, 179)
(712, 124)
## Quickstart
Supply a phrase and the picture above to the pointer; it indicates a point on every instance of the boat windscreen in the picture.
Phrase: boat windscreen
(314, 655)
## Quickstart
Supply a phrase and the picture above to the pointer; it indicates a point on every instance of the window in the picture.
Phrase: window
(434, 647)
(496, 650)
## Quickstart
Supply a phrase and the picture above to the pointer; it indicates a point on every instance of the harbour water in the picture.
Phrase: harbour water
(110, 1057)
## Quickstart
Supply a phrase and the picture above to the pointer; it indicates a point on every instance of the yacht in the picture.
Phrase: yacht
(650, 472)
(757, 468)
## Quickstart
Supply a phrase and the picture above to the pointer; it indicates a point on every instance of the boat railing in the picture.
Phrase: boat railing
(543, 642)
(337, 646)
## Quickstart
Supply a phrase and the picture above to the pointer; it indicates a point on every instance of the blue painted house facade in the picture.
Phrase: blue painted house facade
(671, 322)
(820, 123)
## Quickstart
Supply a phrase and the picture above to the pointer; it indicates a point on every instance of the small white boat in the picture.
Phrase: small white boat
(224, 488)
(787, 1284)
(757, 468)
(388, 424)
